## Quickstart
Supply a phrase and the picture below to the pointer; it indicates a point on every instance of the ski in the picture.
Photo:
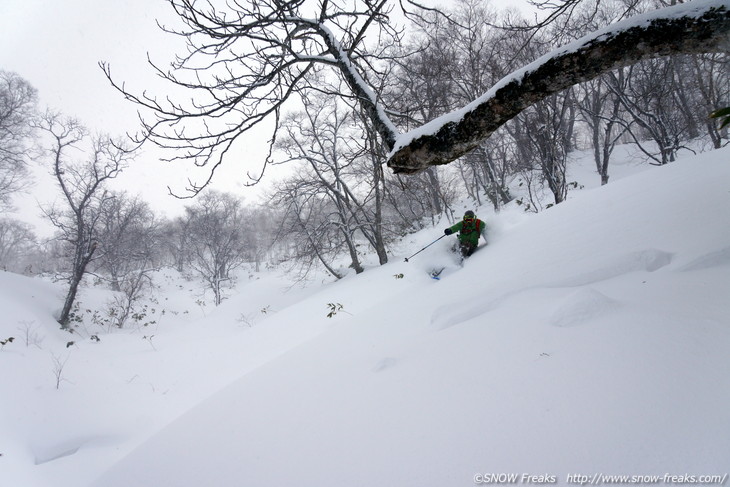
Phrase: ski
(436, 273)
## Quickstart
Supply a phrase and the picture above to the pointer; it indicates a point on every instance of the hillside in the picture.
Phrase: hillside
(591, 338)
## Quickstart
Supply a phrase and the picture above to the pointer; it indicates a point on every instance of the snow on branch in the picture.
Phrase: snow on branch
(697, 27)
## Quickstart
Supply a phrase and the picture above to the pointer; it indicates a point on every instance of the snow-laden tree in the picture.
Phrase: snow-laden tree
(696, 27)
(245, 59)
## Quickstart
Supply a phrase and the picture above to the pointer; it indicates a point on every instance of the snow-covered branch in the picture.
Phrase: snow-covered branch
(696, 27)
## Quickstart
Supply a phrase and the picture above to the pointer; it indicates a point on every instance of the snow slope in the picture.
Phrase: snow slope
(589, 339)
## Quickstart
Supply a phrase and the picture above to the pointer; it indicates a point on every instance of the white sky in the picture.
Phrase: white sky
(57, 45)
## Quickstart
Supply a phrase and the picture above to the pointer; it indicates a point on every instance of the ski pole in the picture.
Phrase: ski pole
(424, 248)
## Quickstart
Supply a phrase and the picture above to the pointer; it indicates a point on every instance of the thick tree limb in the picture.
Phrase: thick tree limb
(697, 27)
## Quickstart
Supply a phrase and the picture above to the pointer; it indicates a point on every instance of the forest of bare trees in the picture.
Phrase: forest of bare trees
(339, 86)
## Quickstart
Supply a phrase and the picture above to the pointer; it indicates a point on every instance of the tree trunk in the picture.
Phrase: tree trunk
(378, 181)
(81, 261)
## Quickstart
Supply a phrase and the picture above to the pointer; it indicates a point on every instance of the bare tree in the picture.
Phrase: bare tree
(17, 109)
(128, 250)
(81, 175)
(216, 244)
(600, 110)
(260, 243)
(317, 138)
(175, 240)
(306, 227)
(377, 229)
(711, 79)
(128, 238)
(549, 123)
(343, 166)
(489, 166)
(652, 110)
(408, 207)
(247, 58)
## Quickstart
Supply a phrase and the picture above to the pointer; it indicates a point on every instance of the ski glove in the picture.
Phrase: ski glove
(448, 231)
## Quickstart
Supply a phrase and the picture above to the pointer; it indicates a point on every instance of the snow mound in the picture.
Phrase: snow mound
(581, 307)
(456, 313)
(29, 300)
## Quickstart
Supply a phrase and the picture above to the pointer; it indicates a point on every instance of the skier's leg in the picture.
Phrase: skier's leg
(467, 249)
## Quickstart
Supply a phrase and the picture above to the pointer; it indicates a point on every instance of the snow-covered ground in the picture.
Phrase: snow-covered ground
(592, 338)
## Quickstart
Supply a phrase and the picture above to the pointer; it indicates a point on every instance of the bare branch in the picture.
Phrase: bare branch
(245, 60)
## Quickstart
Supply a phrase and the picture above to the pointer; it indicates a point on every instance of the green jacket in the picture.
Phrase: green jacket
(470, 231)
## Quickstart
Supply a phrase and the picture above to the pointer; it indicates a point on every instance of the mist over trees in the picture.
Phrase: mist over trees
(337, 87)
(17, 110)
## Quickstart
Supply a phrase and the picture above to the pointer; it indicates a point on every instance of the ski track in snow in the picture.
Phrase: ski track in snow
(45, 453)
(386, 363)
(720, 258)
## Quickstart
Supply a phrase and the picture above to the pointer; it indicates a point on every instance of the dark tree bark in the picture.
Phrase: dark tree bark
(682, 29)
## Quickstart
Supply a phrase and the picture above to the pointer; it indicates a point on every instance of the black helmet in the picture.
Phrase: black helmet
(469, 214)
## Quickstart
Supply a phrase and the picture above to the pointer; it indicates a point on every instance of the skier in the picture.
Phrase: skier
(470, 228)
